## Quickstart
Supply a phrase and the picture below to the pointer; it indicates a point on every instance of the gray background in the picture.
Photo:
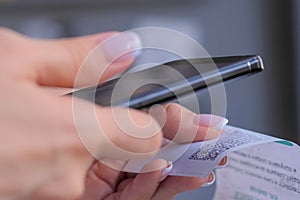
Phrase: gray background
(268, 102)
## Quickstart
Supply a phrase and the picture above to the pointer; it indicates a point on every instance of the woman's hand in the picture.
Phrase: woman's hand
(105, 183)
(41, 154)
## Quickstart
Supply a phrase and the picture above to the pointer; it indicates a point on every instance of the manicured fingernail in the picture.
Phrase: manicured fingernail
(166, 171)
(154, 165)
(223, 162)
(212, 121)
(210, 180)
(122, 45)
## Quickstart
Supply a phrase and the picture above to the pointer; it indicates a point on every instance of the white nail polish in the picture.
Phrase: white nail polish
(222, 166)
(121, 44)
(212, 121)
(222, 123)
(166, 172)
(211, 182)
(135, 44)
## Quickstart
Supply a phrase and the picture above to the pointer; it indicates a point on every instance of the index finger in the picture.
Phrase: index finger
(181, 125)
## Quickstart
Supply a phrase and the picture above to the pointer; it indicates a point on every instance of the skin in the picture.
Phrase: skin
(41, 155)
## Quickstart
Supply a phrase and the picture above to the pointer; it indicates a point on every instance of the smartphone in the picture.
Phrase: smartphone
(168, 81)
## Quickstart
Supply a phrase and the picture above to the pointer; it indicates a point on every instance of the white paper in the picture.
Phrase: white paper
(268, 171)
(260, 167)
(200, 158)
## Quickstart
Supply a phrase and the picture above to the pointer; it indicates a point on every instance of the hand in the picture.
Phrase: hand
(41, 155)
(105, 183)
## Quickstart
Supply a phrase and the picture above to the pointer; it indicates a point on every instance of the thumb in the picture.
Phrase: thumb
(89, 59)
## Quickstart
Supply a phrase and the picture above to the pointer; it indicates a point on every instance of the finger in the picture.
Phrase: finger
(223, 162)
(181, 125)
(131, 176)
(174, 185)
(95, 132)
(112, 132)
(144, 185)
(124, 183)
(86, 59)
(101, 181)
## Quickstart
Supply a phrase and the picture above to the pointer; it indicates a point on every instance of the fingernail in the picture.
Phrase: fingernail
(121, 46)
(210, 180)
(212, 121)
(223, 162)
(166, 171)
(154, 165)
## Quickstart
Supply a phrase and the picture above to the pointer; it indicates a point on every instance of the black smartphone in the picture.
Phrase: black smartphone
(166, 82)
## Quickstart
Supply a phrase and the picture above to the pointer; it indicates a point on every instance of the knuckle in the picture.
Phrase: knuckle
(173, 106)
(133, 131)
(173, 109)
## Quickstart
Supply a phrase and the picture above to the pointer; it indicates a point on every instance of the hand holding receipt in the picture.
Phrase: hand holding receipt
(265, 175)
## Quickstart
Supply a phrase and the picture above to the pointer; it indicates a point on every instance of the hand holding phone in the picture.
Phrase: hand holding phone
(165, 82)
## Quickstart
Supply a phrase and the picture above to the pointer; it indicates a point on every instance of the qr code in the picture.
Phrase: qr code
(228, 140)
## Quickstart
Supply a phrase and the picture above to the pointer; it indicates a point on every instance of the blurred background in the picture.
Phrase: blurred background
(268, 102)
